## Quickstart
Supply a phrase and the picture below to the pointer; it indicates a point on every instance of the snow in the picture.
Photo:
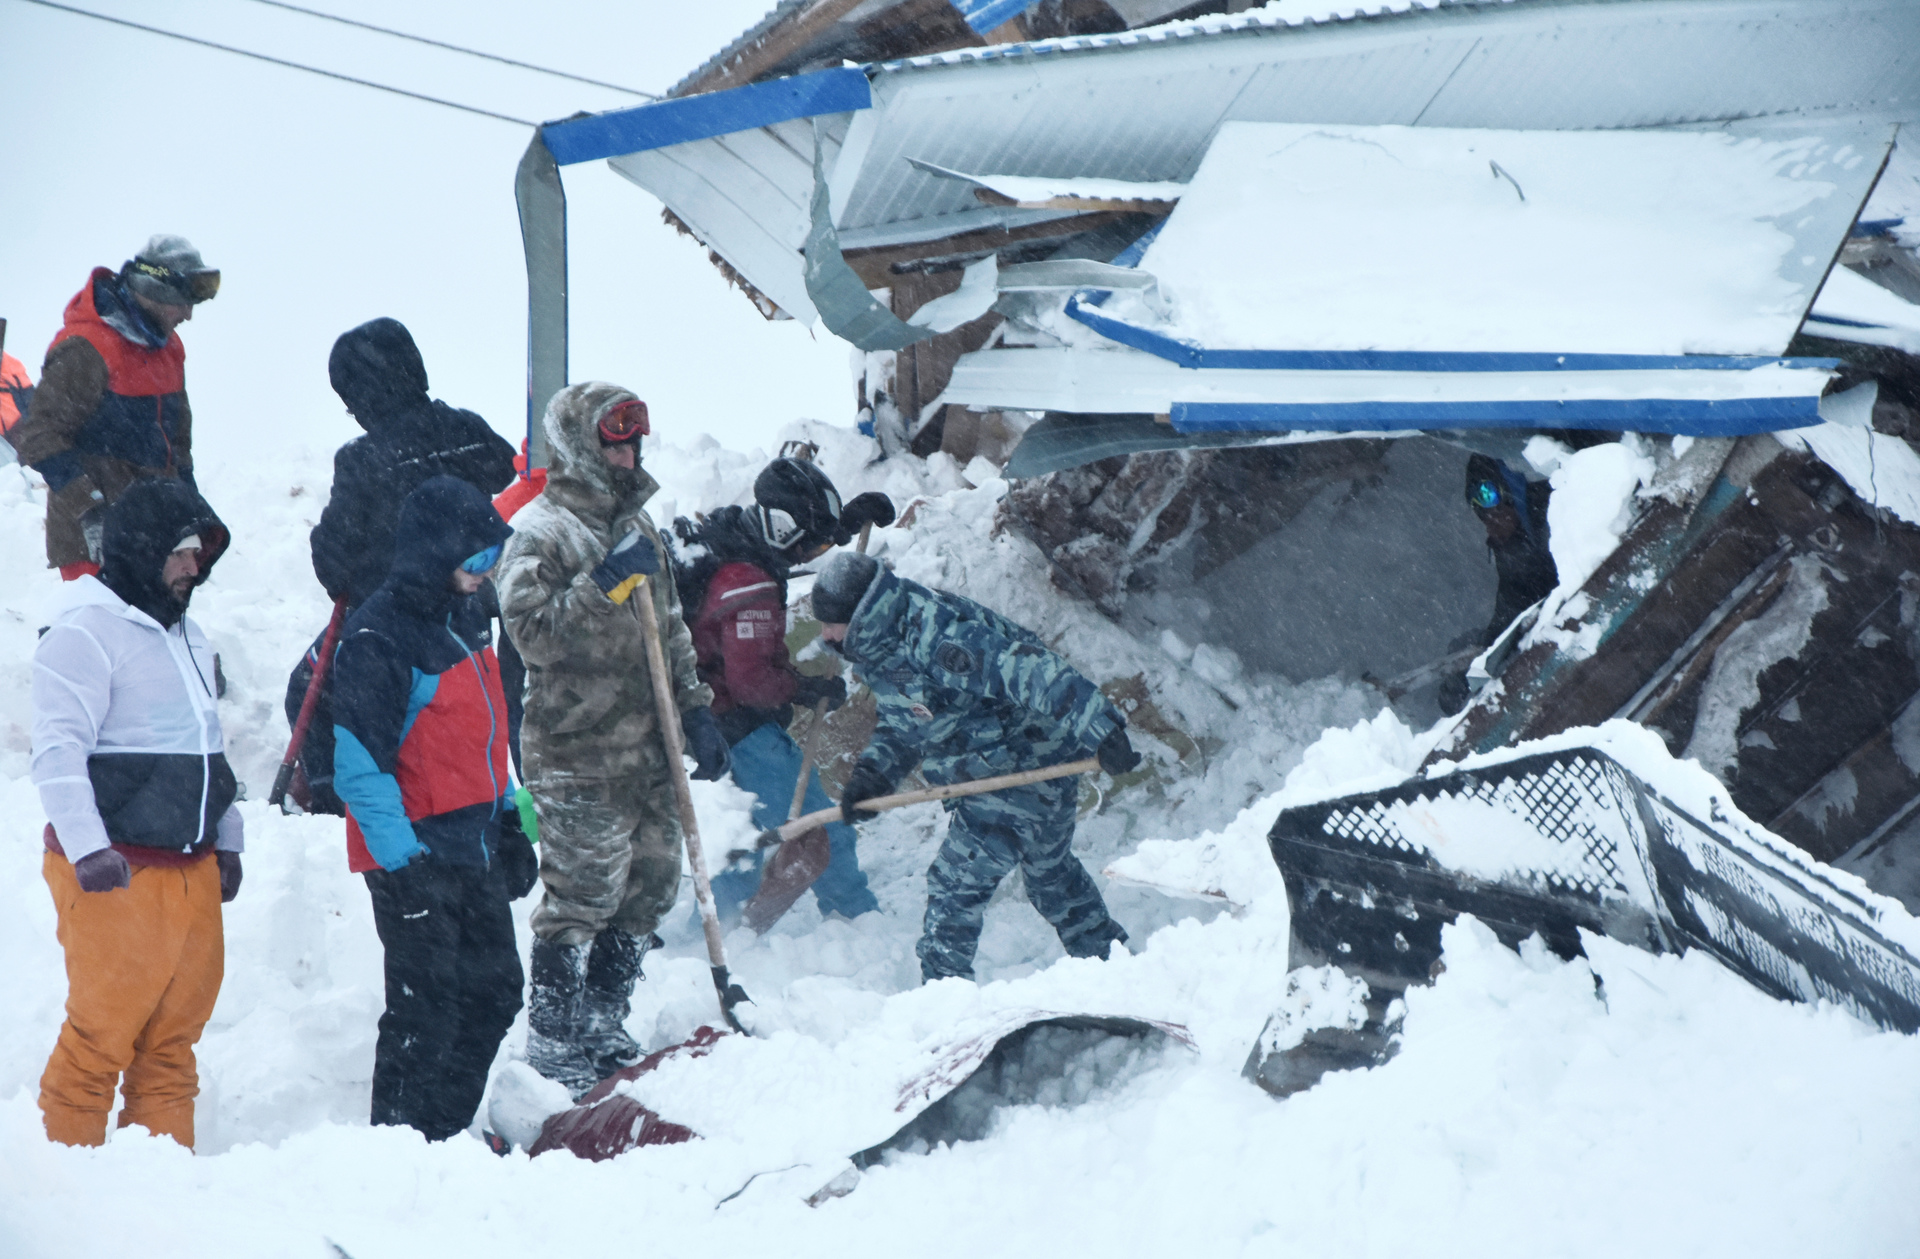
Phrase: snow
(1733, 684)
(1889, 319)
(1594, 501)
(1617, 1103)
(1882, 470)
(1676, 242)
(1591, 507)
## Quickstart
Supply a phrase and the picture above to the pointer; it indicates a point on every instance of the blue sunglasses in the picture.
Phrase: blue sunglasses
(482, 561)
(1485, 495)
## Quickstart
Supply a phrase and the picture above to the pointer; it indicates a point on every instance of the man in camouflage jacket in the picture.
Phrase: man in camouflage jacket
(965, 694)
(591, 744)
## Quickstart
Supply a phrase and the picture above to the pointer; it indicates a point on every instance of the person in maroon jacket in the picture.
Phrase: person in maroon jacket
(732, 569)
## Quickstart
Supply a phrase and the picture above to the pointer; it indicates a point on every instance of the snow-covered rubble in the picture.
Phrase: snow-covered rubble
(1623, 1103)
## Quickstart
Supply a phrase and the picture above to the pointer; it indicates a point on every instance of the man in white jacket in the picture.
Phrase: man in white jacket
(143, 840)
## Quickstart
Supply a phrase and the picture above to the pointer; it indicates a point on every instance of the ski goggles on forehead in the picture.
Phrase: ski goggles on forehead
(625, 422)
(197, 286)
(481, 561)
(1485, 495)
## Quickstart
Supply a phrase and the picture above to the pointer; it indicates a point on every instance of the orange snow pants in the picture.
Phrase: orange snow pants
(144, 965)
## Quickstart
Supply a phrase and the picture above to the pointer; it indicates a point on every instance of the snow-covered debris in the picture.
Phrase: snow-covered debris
(1508, 1063)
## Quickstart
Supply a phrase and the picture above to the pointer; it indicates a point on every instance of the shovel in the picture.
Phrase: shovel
(731, 994)
(797, 865)
(951, 791)
(277, 797)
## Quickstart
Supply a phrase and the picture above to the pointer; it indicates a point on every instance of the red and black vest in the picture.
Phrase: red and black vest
(141, 418)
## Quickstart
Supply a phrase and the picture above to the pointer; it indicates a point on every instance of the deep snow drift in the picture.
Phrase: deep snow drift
(1617, 1104)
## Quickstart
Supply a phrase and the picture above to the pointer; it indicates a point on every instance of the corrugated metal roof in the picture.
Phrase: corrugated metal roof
(1143, 105)
(1144, 110)
(780, 13)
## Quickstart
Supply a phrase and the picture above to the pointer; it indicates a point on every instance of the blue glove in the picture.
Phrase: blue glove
(708, 745)
(632, 560)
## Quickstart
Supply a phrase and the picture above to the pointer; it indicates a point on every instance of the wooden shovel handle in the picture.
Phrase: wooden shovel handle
(807, 758)
(670, 734)
(980, 786)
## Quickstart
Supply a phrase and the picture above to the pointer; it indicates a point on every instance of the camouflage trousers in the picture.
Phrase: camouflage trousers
(609, 854)
(1029, 827)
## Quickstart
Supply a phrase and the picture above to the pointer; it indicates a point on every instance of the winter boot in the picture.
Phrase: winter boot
(559, 974)
(613, 965)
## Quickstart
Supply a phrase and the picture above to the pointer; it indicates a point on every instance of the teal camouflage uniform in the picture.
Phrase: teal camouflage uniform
(965, 693)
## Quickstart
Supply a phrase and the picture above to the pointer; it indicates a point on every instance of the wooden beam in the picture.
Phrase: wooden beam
(782, 42)
(1086, 205)
(873, 265)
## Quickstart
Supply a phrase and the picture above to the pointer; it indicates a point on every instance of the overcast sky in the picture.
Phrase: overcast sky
(326, 204)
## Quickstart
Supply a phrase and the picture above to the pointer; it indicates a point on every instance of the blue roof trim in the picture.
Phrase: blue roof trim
(1693, 417)
(1837, 321)
(1189, 354)
(707, 115)
(983, 15)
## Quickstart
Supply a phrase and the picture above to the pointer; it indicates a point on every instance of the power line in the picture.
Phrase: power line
(291, 65)
(471, 52)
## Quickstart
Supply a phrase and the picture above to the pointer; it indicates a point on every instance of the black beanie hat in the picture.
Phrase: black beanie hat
(837, 591)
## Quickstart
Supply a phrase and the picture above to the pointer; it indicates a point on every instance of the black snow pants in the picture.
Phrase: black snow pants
(453, 988)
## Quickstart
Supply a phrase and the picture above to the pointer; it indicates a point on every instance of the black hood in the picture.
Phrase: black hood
(443, 522)
(378, 372)
(143, 526)
(728, 536)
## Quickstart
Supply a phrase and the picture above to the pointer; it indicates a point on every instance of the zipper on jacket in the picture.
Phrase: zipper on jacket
(201, 711)
(493, 728)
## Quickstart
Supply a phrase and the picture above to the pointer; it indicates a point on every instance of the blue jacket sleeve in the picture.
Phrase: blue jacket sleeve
(370, 691)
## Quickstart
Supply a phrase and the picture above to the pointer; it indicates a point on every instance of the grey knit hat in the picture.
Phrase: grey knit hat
(837, 591)
(170, 271)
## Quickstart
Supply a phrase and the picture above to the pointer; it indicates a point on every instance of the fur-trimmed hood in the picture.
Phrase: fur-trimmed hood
(578, 477)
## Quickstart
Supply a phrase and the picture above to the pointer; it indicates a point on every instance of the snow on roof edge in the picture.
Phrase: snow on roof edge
(1261, 20)
(1252, 22)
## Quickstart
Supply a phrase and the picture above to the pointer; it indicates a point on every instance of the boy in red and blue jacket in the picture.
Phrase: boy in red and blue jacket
(420, 758)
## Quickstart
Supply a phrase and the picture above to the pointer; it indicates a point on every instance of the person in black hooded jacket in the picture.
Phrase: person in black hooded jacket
(421, 738)
(378, 372)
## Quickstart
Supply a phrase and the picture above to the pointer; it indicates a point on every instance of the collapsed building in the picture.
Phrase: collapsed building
(1234, 298)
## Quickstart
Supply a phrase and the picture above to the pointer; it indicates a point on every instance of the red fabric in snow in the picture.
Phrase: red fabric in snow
(606, 1122)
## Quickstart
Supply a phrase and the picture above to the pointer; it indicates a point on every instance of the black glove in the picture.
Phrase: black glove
(864, 783)
(872, 508)
(518, 861)
(322, 798)
(229, 875)
(706, 743)
(810, 690)
(1116, 754)
(102, 871)
(632, 558)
